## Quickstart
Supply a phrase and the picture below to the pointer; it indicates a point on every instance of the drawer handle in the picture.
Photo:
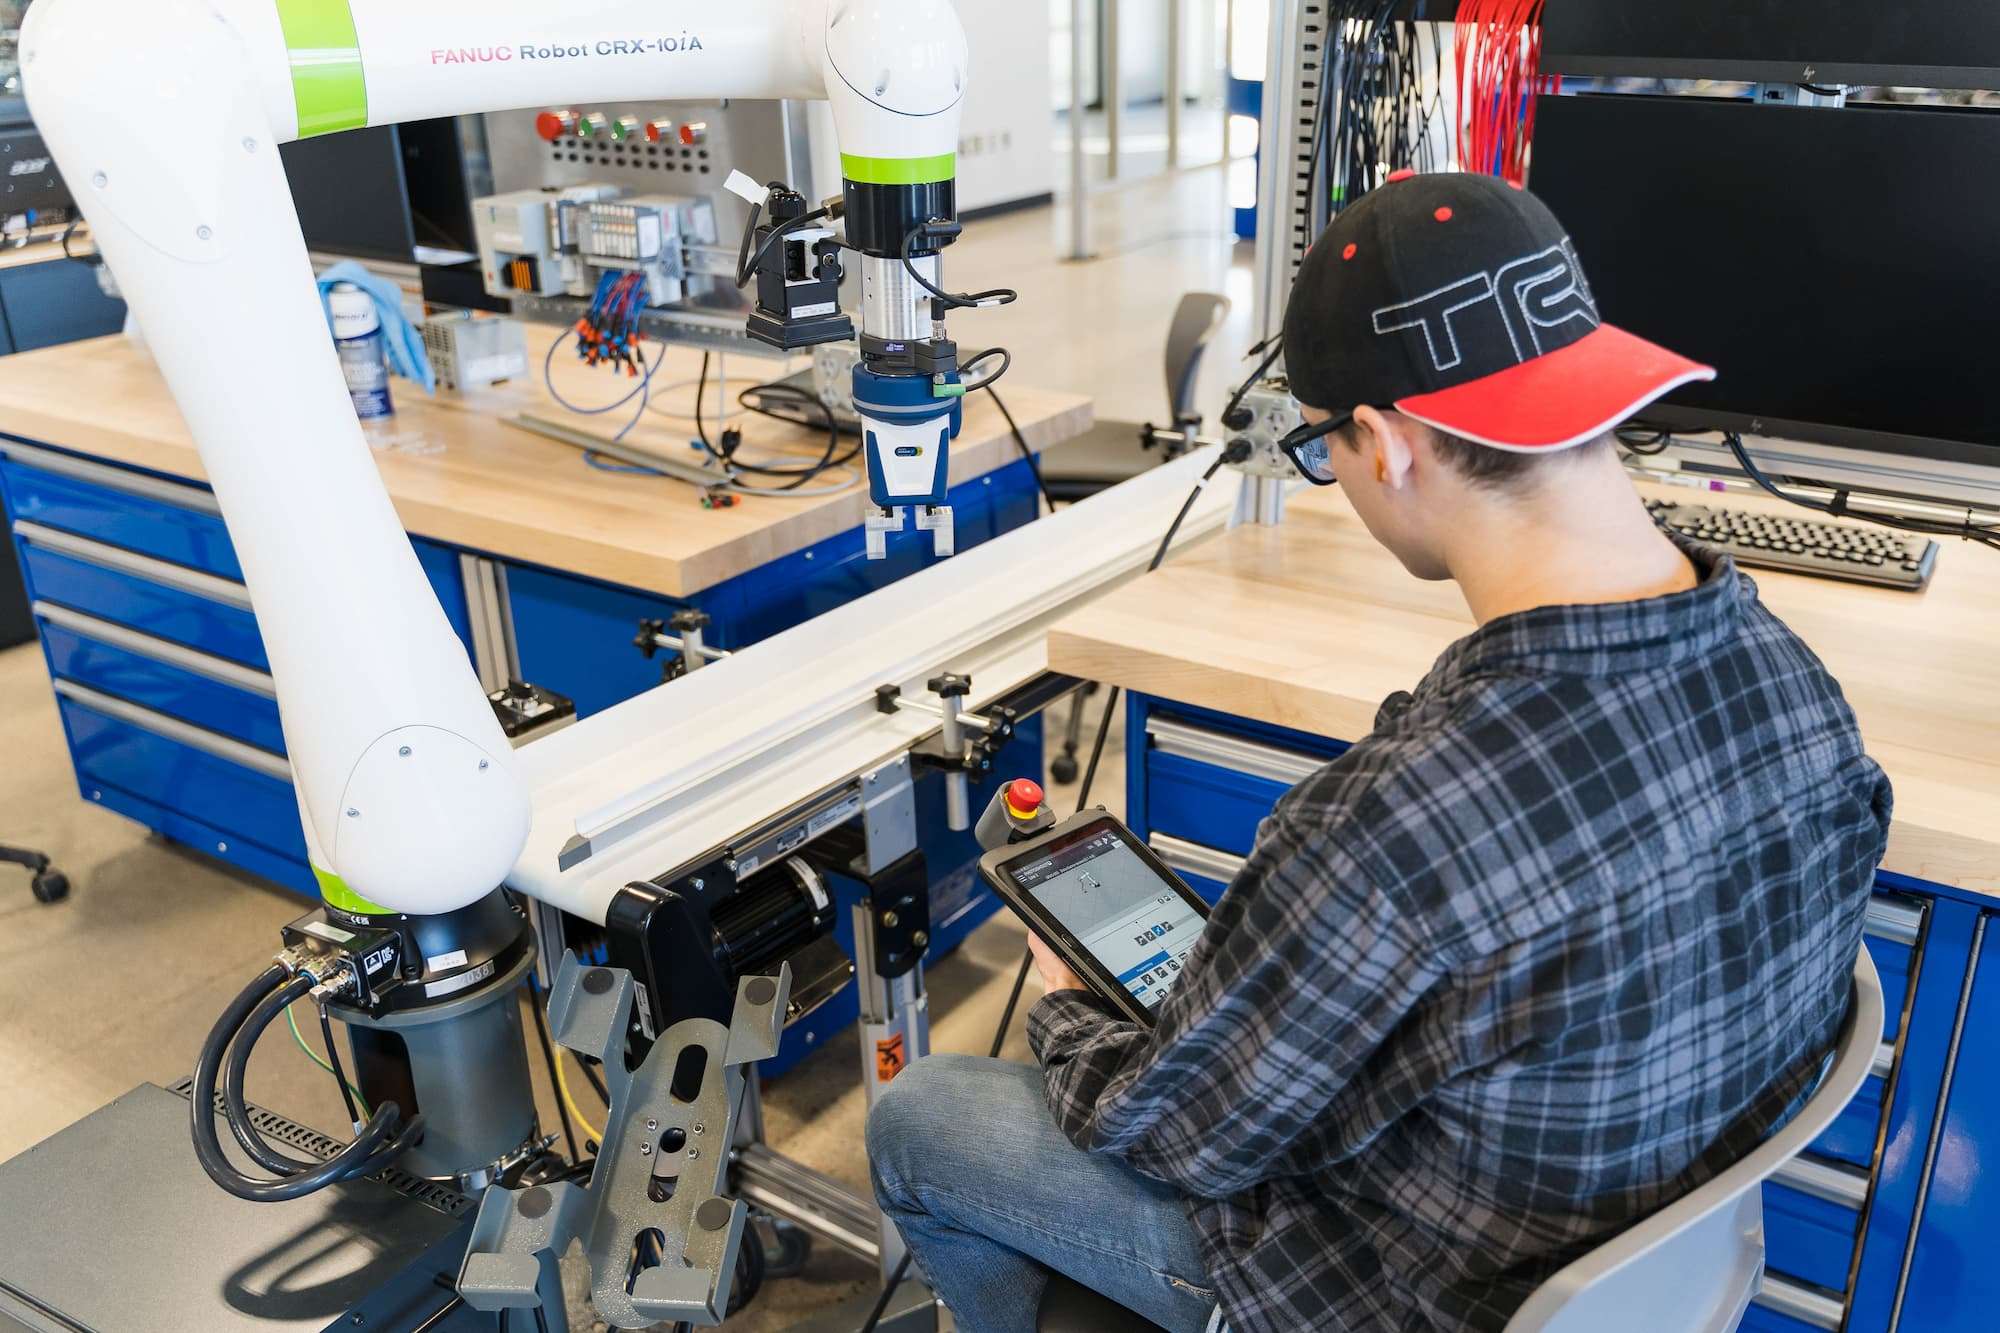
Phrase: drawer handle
(1211, 747)
(174, 493)
(173, 729)
(1808, 1305)
(1830, 1181)
(1898, 920)
(159, 650)
(1191, 858)
(178, 577)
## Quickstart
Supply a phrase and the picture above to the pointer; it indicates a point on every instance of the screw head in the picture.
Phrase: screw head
(485, 764)
(645, 1150)
(890, 919)
(204, 232)
(352, 813)
(404, 752)
(652, 1124)
(249, 144)
(921, 938)
(699, 1127)
(693, 1153)
(99, 179)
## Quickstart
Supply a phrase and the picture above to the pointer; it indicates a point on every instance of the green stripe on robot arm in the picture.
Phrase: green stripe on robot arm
(327, 82)
(334, 892)
(899, 170)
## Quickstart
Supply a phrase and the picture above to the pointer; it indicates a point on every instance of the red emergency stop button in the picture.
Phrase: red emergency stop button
(1024, 798)
(554, 125)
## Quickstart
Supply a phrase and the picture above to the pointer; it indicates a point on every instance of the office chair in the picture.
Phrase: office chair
(49, 885)
(1692, 1267)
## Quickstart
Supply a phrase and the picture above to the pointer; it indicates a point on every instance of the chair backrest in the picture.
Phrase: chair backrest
(1693, 1266)
(1195, 325)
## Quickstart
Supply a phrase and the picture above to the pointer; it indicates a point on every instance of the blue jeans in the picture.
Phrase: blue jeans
(991, 1198)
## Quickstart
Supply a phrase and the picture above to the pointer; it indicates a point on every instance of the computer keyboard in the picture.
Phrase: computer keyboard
(1879, 556)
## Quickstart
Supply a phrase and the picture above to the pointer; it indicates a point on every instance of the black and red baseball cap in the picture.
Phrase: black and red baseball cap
(1459, 300)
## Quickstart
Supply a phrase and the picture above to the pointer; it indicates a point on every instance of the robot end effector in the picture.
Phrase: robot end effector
(899, 214)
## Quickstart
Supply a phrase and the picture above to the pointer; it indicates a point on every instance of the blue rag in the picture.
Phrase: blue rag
(401, 340)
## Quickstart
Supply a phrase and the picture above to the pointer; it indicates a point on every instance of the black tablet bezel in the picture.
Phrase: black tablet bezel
(994, 869)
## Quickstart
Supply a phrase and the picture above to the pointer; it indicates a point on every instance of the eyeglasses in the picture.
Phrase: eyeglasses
(1307, 448)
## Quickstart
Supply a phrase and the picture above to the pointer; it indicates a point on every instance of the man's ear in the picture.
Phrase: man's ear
(1388, 444)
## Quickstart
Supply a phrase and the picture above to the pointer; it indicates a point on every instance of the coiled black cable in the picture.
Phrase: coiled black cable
(384, 1138)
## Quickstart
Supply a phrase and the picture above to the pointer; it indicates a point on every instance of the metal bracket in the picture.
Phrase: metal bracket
(661, 1235)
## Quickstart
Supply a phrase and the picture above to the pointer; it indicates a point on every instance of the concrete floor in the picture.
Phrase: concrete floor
(118, 985)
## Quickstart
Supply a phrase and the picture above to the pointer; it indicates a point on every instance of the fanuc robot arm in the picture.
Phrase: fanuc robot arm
(167, 114)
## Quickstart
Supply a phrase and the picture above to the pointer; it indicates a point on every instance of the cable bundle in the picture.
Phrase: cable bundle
(609, 331)
(225, 1056)
(1497, 46)
(1373, 115)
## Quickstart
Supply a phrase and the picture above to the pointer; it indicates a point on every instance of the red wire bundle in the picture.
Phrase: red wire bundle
(1497, 45)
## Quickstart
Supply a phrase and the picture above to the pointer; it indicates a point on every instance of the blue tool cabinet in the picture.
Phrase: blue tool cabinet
(1883, 1226)
(166, 696)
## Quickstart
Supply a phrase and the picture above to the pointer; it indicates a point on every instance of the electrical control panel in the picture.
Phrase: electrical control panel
(561, 242)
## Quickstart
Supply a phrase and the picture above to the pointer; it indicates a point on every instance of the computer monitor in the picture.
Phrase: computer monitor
(1835, 266)
(383, 192)
(1920, 43)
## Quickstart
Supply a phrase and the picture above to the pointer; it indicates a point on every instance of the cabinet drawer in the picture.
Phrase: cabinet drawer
(1213, 788)
(235, 701)
(234, 788)
(1207, 871)
(1812, 1212)
(169, 602)
(164, 519)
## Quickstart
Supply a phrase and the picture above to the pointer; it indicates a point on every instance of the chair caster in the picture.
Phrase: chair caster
(51, 886)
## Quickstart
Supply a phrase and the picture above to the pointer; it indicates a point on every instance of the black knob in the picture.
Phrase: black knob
(950, 686)
(690, 619)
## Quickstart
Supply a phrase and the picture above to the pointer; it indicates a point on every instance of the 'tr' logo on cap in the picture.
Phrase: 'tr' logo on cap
(1540, 291)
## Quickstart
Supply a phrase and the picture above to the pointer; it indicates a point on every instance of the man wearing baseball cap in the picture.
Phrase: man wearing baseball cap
(1567, 934)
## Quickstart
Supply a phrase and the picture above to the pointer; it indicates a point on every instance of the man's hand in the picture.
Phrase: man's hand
(1056, 974)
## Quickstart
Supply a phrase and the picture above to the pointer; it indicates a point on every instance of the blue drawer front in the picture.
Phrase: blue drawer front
(1851, 1138)
(1210, 890)
(1215, 807)
(151, 608)
(1892, 964)
(164, 688)
(221, 794)
(184, 536)
(1808, 1238)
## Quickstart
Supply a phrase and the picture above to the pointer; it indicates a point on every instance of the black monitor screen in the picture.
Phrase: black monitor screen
(1836, 266)
(1930, 43)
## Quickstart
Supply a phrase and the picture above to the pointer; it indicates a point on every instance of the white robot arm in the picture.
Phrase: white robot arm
(166, 115)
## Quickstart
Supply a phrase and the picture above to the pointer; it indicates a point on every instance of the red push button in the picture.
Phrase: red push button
(553, 125)
(1024, 797)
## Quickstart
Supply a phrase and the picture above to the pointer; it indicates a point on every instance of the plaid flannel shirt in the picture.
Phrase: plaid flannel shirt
(1569, 933)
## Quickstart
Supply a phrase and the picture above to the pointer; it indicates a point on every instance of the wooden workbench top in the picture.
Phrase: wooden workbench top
(1311, 625)
(504, 491)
